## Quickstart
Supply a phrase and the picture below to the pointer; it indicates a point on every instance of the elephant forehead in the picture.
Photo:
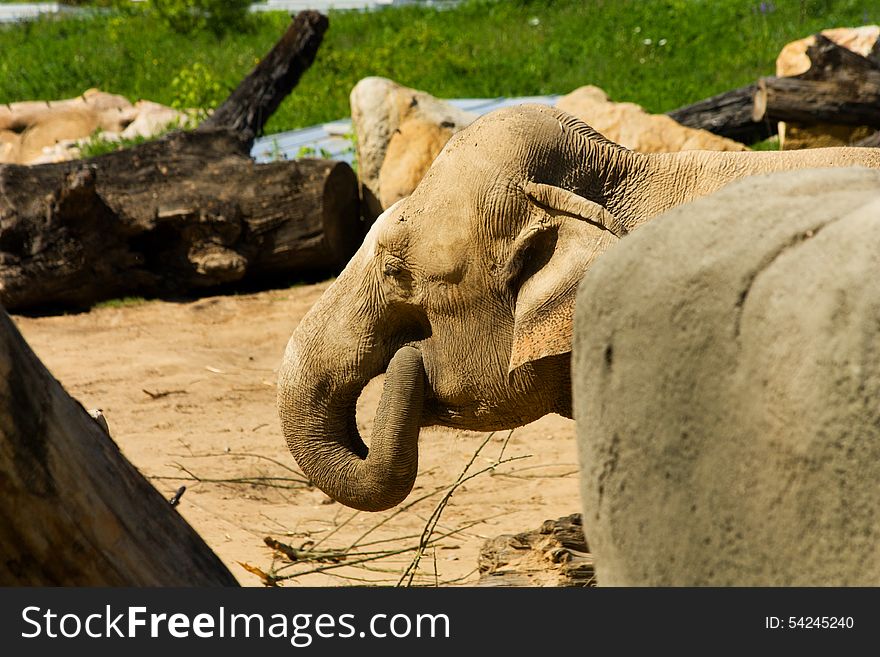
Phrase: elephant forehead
(440, 244)
(510, 137)
(434, 239)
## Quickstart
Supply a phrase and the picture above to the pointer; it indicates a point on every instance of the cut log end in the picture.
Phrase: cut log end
(840, 88)
(759, 101)
(727, 114)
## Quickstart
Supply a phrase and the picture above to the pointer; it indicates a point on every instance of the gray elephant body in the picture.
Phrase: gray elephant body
(726, 380)
(464, 291)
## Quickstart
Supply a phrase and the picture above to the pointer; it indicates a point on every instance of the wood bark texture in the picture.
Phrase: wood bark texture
(727, 114)
(73, 510)
(871, 141)
(258, 96)
(171, 217)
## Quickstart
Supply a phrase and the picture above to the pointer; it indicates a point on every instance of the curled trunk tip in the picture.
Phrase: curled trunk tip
(323, 437)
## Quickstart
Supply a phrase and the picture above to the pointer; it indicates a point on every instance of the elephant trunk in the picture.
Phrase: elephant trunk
(317, 398)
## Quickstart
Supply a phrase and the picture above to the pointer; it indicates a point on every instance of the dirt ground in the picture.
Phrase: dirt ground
(188, 390)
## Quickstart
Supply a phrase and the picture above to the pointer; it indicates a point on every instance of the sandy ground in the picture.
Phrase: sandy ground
(188, 390)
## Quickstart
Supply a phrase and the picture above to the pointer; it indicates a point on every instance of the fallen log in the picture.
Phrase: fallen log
(182, 214)
(842, 102)
(840, 87)
(73, 510)
(171, 217)
(556, 554)
(727, 114)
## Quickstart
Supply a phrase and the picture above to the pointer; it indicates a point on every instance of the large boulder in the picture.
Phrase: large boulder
(399, 132)
(793, 60)
(726, 378)
(630, 125)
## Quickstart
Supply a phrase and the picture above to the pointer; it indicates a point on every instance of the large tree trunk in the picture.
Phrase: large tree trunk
(169, 217)
(840, 87)
(184, 213)
(728, 114)
(73, 510)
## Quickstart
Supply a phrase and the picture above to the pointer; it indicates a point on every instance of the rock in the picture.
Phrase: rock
(18, 116)
(41, 132)
(399, 133)
(725, 379)
(401, 130)
(793, 60)
(152, 119)
(630, 125)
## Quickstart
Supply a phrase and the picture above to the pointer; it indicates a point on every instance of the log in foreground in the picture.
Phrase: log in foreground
(840, 87)
(187, 212)
(73, 510)
(170, 217)
(728, 114)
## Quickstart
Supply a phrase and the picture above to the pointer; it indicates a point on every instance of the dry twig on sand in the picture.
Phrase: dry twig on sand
(329, 561)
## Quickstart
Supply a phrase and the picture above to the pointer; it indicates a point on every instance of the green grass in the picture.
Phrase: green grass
(100, 145)
(124, 302)
(771, 144)
(479, 49)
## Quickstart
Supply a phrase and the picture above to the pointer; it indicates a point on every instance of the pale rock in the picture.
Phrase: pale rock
(41, 132)
(631, 126)
(399, 133)
(725, 382)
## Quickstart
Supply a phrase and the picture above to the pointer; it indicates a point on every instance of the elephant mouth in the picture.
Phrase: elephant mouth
(505, 402)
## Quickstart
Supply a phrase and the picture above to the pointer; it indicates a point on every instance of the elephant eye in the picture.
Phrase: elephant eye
(391, 269)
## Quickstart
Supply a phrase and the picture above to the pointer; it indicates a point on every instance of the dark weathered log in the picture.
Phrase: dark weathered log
(255, 99)
(840, 87)
(842, 102)
(874, 55)
(728, 114)
(554, 555)
(184, 213)
(169, 217)
(828, 60)
(73, 510)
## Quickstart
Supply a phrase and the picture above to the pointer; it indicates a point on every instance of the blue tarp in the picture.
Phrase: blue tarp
(329, 140)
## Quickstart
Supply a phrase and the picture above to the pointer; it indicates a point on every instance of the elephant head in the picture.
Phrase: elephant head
(463, 292)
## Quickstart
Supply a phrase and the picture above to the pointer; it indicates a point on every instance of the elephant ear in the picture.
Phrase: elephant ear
(564, 234)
